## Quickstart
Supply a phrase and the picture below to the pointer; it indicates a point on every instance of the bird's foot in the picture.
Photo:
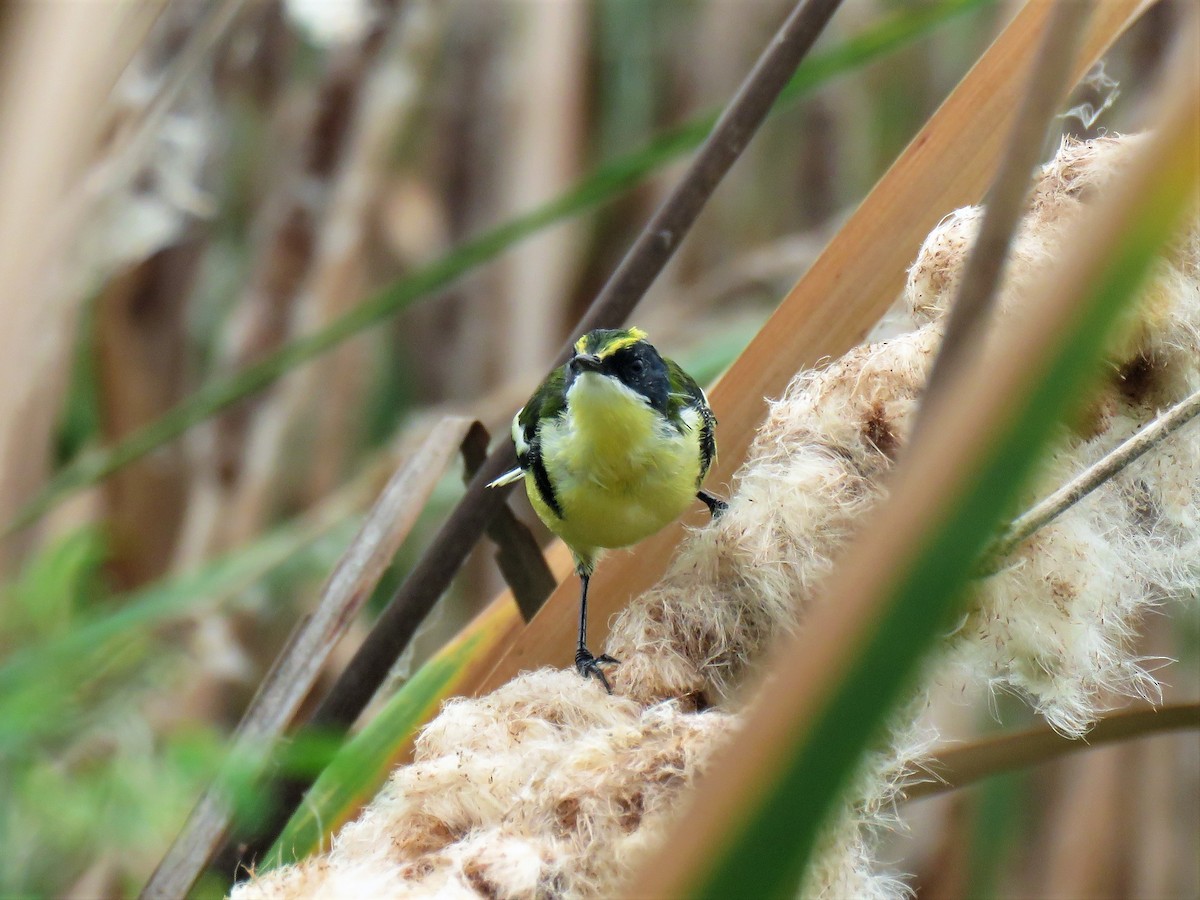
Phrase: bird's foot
(588, 665)
(716, 506)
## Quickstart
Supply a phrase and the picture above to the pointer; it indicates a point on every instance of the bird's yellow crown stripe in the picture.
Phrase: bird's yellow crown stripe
(619, 342)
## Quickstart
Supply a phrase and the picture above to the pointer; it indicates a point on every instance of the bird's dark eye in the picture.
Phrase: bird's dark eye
(637, 367)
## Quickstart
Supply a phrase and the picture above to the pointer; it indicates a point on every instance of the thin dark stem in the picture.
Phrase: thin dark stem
(518, 555)
(665, 230)
(1006, 200)
(1050, 508)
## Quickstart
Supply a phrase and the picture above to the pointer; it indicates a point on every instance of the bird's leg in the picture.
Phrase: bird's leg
(715, 505)
(585, 663)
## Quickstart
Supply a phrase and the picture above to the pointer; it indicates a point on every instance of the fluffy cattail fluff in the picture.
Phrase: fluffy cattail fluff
(1057, 624)
(549, 787)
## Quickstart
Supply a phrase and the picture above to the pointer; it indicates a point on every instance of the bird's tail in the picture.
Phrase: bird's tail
(507, 478)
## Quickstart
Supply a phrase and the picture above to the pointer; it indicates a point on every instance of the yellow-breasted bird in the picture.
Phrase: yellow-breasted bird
(612, 446)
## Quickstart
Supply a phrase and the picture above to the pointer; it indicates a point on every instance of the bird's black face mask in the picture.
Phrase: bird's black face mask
(641, 369)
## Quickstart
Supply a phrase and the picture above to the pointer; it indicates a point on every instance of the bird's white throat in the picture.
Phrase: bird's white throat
(602, 408)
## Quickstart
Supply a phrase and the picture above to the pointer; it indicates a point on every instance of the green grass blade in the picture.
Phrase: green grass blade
(605, 183)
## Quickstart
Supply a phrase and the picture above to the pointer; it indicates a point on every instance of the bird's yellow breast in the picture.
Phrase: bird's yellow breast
(620, 470)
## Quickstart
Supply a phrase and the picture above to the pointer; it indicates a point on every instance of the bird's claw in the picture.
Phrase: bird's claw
(716, 506)
(587, 665)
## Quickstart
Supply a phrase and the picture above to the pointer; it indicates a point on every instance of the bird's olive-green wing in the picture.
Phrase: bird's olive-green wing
(686, 393)
(548, 401)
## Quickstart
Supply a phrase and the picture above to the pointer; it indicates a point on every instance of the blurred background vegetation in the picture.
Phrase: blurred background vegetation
(239, 175)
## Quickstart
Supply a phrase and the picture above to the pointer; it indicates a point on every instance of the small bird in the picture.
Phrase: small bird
(612, 446)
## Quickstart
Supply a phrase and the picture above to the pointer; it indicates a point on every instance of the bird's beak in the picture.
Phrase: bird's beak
(586, 362)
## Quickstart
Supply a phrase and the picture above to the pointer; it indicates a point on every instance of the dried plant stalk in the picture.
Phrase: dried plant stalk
(334, 277)
(154, 200)
(958, 766)
(48, 117)
(1005, 202)
(228, 475)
